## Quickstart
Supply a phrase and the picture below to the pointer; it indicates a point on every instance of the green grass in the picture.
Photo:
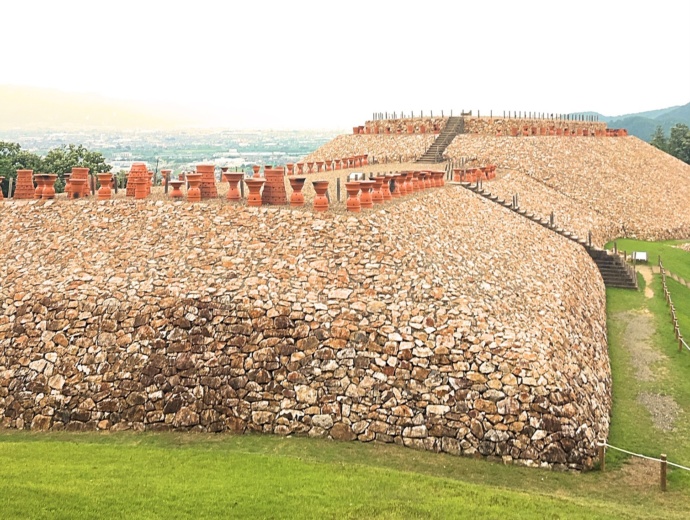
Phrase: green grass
(673, 258)
(200, 476)
(680, 295)
(176, 475)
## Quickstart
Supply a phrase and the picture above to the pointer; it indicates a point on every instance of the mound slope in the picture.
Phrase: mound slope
(380, 148)
(441, 322)
(640, 190)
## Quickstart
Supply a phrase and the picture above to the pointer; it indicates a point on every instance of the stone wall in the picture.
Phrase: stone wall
(442, 322)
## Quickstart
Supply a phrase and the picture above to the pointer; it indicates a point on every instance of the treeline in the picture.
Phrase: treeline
(677, 143)
(58, 160)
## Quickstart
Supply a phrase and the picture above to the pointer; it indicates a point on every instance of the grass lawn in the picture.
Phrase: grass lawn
(176, 475)
(674, 259)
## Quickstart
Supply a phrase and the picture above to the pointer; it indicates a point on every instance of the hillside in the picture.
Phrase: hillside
(30, 108)
(643, 124)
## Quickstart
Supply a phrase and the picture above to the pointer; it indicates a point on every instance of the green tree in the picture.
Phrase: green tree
(659, 139)
(62, 160)
(679, 142)
(13, 158)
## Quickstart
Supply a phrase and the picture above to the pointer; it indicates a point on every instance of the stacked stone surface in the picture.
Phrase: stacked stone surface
(417, 324)
(641, 191)
(416, 125)
(531, 126)
(379, 148)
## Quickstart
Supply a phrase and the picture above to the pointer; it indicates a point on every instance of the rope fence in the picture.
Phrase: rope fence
(674, 319)
(662, 460)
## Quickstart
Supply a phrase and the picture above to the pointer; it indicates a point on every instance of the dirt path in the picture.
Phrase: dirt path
(637, 340)
(647, 274)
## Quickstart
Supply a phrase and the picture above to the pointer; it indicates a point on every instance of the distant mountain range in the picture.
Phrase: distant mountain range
(643, 124)
(31, 108)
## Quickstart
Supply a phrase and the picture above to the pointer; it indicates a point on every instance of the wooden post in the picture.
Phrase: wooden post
(9, 188)
(337, 188)
(680, 343)
(662, 472)
(602, 455)
(242, 188)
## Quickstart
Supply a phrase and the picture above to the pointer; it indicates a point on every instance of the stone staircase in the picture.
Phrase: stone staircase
(614, 270)
(455, 126)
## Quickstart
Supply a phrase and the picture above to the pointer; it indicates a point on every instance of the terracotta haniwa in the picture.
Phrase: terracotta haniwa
(353, 203)
(233, 179)
(137, 171)
(1, 181)
(176, 192)
(365, 199)
(320, 201)
(402, 184)
(377, 194)
(256, 168)
(49, 186)
(208, 181)
(105, 179)
(80, 173)
(40, 180)
(297, 197)
(194, 192)
(274, 189)
(25, 185)
(78, 187)
(254, 186)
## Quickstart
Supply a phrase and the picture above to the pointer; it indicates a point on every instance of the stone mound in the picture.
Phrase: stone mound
(641, 191)
(444, 322)
(380, 148)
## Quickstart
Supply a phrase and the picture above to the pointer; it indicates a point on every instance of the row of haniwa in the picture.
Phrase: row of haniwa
(483, 173)
(302, 168)
(365, 193)
(516, 131)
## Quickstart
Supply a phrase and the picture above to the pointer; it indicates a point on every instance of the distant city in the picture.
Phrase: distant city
(178, 150)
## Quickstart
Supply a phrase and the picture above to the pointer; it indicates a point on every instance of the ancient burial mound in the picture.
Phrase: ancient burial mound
(379, 148)
(442, 322)
(613, 186)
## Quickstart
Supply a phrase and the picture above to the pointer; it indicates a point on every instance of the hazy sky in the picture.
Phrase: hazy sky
(301, 64)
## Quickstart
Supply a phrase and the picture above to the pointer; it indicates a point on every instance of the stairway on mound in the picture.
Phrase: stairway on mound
(454, 126)
(614, 270)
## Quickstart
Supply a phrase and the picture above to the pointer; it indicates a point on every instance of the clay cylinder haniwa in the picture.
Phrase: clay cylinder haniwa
(254, 186)
(194, 192)
(353, 203)
(320, 201)
(49, 186)
(176, 192)
(297, 197)
(365, 199)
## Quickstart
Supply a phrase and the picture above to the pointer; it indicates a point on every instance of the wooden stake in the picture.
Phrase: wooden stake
(602, 455)
(662, 472)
